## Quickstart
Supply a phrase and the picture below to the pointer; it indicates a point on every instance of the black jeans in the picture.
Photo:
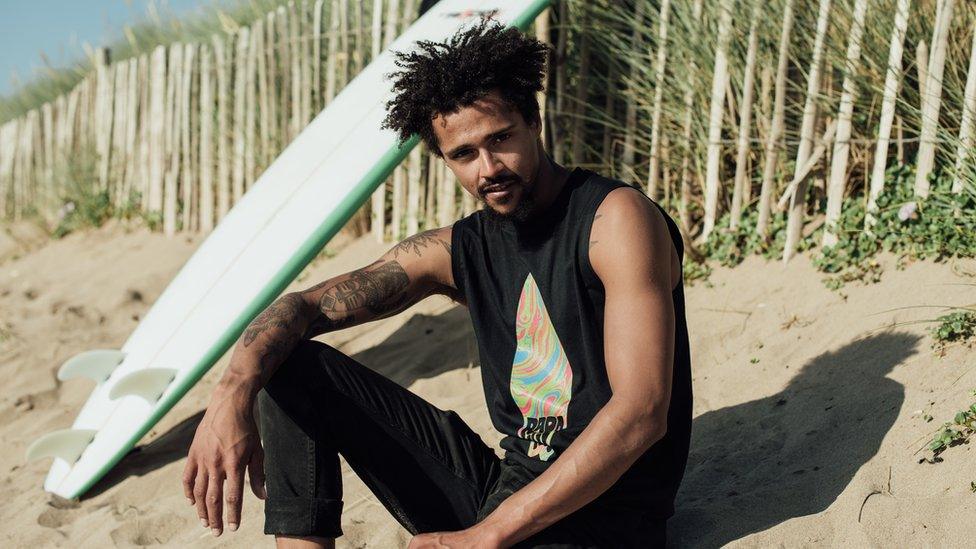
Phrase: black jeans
(426, 466)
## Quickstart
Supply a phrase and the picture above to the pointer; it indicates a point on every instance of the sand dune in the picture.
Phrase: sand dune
(809, 403)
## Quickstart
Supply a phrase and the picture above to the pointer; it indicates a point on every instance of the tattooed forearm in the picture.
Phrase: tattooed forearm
(272, 336)
(420, 241)
(378, 291)
(280, 314)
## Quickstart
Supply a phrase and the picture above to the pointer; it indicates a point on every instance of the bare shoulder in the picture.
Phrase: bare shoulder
(630, 233)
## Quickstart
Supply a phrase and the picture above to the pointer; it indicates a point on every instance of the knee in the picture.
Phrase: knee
(309, 365)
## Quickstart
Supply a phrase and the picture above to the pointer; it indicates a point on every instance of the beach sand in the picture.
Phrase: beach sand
(810, 404)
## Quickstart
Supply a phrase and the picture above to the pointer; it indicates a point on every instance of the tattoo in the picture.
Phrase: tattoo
(418, 242)
(280, 314)
(379, 291)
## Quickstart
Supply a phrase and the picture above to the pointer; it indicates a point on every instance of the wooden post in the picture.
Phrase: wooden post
(659, 64)
(684, 196)
(558, 118)
(224, 58)
(414, 194)
(433, 179)
(838, 164)
(745, 120)
(305, 54)
(578, 139)
(330, 71)
(628, 174)
(794, 223)
(274, 128)
(446, 197)
(131, 128)
(187, 137)
(240, 83)
(295, 56)
(317, 56)
(142, 170)
(250, 111)
(542, 34)
(157, 131)
(264, 145)
(921, 67)
(359, 55)
(720, 76)
(174, 105)
(892, 80)
(116, 156)
(7, 149)
(206, 141)
(932, 98)
(964, 150)
(343, 60)
(104, 88)
(283, 74)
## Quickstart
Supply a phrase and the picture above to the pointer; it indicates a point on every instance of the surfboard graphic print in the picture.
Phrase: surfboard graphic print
(542, 378)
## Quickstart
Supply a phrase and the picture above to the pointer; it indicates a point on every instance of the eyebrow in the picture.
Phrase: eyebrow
(493, 134)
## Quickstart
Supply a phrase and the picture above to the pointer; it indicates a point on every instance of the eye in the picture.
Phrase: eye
(460, 154)
(501, 137)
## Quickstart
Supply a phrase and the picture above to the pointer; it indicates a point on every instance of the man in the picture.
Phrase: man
(573, 283)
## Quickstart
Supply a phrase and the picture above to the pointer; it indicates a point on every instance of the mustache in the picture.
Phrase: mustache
(500, 180)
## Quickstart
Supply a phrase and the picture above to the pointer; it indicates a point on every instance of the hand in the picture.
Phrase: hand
(470, 537)
(226, 441)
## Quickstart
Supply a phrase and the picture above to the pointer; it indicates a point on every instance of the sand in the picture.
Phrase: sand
(810, 404)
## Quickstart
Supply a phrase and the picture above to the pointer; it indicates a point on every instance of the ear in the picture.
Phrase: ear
(535, 124)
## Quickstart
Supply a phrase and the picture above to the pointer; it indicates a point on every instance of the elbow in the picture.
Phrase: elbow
(653, 429)
(647, 423)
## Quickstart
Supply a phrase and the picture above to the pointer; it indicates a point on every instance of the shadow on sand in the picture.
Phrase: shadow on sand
(425, 346)
(760, 463)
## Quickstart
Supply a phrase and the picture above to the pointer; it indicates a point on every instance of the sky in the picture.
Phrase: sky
(58, 28)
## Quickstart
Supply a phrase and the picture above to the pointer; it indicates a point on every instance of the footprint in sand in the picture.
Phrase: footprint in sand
(144, 531)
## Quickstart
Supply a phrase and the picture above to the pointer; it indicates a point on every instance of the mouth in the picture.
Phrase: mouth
(498, 190)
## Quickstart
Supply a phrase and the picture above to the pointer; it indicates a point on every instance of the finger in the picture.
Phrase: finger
(200, 496)
(255, 473)
(235, 487)
(215, 503)
(189, 479)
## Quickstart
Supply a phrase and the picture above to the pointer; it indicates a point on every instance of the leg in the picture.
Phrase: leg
(427, 467)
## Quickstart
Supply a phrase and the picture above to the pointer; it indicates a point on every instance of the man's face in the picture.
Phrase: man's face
(494, 153)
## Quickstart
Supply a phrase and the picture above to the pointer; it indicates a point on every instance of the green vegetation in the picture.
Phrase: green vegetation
(84, 204)
(954, 433)
(936, 228)
(954, 327)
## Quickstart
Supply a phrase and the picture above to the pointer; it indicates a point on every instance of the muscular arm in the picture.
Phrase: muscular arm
(410, 271)
(631, 252)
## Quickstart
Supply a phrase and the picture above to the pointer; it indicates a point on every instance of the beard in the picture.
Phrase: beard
(520, 214)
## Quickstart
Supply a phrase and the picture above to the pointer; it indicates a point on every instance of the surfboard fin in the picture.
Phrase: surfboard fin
(67, 444)
(96, 365)
(147, 383)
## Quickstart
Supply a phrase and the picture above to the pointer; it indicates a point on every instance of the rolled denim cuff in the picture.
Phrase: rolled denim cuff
(302, 517)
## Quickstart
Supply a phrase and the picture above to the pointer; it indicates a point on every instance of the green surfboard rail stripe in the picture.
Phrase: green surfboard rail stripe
(306, 252)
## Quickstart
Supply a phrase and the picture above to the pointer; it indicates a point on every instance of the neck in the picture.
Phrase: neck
(549, 181)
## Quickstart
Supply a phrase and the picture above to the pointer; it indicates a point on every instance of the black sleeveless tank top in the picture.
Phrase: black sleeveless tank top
(537, 309)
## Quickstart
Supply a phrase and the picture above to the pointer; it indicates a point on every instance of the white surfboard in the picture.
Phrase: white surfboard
(297, 205)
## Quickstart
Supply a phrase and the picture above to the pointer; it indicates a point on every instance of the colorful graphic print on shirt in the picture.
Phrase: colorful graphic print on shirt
(542, 378)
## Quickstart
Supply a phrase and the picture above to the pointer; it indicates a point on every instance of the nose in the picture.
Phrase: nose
(491, 167)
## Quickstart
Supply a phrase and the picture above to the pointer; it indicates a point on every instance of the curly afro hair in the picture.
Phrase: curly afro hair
(442, 77)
